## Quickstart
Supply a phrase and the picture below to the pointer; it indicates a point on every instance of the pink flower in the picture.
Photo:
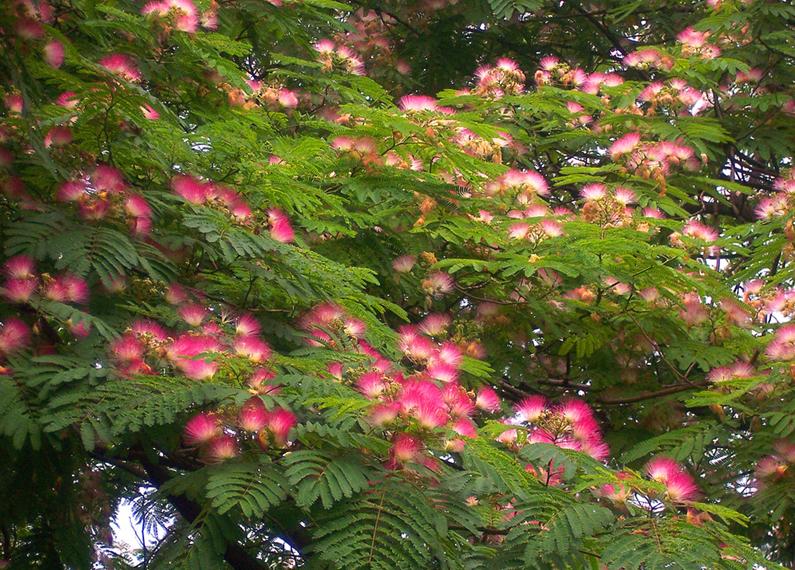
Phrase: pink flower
(418, 103)
(592, 192)
(435, 324)
(465, 427)
(67, 99)
(459, 403)
(19, 290)
(430, 414)
(253, 348)
(14, 102)
(281, 229)
(149, 112)
(67, 288)
(71, 191)
(384, 413)
(135, 205)
(14, 335)
(624, 145)
(371, 384)
(247, 325)
(190, 189)
(679, 484)
(697, 230)
(107, 178)
(280, 422)
(531, 408)
(782, 347)
(127, 348)
(405, 447)
(438, 283)
(200, 429)
(221, 448)
(253, 416)
(146, 329)
(58, 136)
(175, 294)
(20, 267)
(404, 263)
(54, 53)
(192, 314)
(487, 399)
(122, 65)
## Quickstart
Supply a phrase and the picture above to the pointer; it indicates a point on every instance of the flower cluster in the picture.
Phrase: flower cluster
(502, 78)
(653, 159)
(332, 55)
(219, 435)
(679, 484)
(607, 207)
(780, 203)
(104, 192)
(695, 43)
(553, 70)
(147, 347)
(647, 58)
(569, 425)
(22, 282)
(211, 194)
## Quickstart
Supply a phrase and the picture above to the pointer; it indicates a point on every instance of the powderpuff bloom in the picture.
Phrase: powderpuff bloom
(404, 263)
(19, 290)
(71, 191)
(106, 178)
(525, 180)
(487, 399)
(624, 195)
(175, 294)
(438, 283)
(186, 347)
(769, 467)
(20, 267)
(58, 136)
(435, 324)
(221, 448)
(67, 288)
(697, 230)
(384, 413)
(371, 384)
(734, 371)
(465, 427)
(136, 206)
(281, 230)
(54, 53)
(280, 422)
(253, 348)
(552, 228)
(414, 345)
(127, 348)
(122, 65)
(200, 429)
(405, 447)
(593, 191)
(67, 99)
(518, 231)
(458, 402)
(14, 102)
(679, 484)
(149, 112)
(325, 46)
(575, 411)
(247, 325)
(29, 29)
(596, 448)
(146, 329)
(190, 189)
(624, 145)
(442, 372)
(192, 314)
(253, 416)
(429, 414)
(14, 335)
(531, 408)
(449, 353)
(418, 103)
(782, 347)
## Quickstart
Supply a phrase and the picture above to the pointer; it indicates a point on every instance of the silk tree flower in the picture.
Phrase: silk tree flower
(247, 325)
(184, 350)
(435, 324)
(220, 448)
(54, 53)
(405, 448)
(624, 145)
(193, 314)
(437, 283)
(106, 178)
(122, 65)
(418, 103)
(201, 429)
(487, 399)
(149, 112)
(20, 267)
(127, 348)
(459, 403)
(280, 422)
(253, 348)
(58, 136)
(14, 335)
(190, 189)
(782, 347)
(371, 384)
(19, 290)
(404, 263)
(679, 485)
(253, 416)
(697, 230)
(531, 408)
(281, 230)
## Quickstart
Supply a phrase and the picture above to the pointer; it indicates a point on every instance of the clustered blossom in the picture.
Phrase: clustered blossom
(647, 58)
(782, 347)
(680, 485)
(274, 96)
(553, 70)
(780, 203)
(331, 54)
(328, 324)
(219, 435)
(214, 195)
(123, 66)
(148, 347)
(570, 424)
(22, 281)
(695, 43)
(503, 78)
(607, 207)
(653, 159)
(675, 93)
(184, 14)
(105, 192)
(14, 336)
